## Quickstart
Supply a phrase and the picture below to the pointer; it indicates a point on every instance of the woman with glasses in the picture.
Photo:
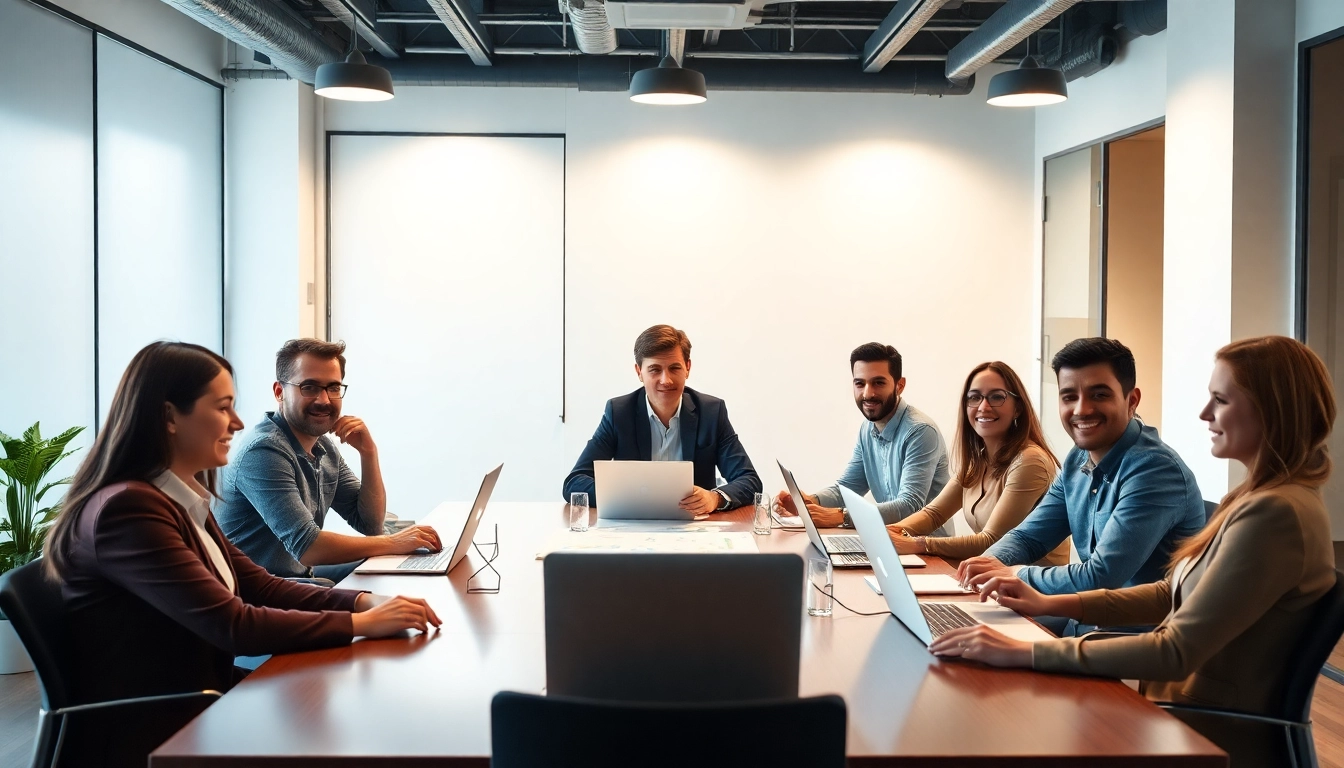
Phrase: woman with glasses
(157, 600)
(1003, 470)
(1240, 594)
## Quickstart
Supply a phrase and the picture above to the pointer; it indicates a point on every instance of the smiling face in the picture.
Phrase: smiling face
(991, 422)
(664, 378)
(313, 416)
(875, 392)
(1237, 431)
(199, 440)
(1093, 408)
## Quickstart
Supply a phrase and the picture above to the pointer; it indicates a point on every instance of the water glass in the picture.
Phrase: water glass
(578, 511)
(820, 590)
(760, 523)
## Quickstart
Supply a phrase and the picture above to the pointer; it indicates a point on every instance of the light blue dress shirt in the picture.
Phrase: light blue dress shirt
(666, 442)
(904, 465)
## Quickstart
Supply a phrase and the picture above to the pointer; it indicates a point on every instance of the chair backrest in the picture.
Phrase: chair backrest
(1326, 628)
(1209, 508)
(34, 606)
(561, 732)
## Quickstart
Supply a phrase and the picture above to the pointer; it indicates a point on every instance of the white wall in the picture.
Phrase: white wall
(1316, 17)
(780, 230)
(159, 27)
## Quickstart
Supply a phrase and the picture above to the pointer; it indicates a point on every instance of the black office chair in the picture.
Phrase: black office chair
(33, 604)
(1289, 727)
(1209, 508)
(529, 731)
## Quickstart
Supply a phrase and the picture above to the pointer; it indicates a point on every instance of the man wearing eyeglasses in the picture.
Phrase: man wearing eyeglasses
(277, 489)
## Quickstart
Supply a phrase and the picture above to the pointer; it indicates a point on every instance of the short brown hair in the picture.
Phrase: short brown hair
(287, 359)
(659, 340)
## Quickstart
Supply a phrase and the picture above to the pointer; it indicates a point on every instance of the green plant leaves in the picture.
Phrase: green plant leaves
(24, 467)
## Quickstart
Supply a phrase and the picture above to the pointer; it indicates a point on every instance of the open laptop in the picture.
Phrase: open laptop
(673, 627)
(930, 619)
(445, 560)
(844, 549)
(643, 490)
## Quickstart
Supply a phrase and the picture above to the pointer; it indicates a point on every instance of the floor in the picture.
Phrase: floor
(19, 701)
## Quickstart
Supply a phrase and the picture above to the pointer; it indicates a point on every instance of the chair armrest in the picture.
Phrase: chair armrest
(1231, 714)
(311, 580)
(139, 700)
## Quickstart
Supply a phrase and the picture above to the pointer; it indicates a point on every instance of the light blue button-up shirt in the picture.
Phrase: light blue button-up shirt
(904, 465)
(1126, 515)
(666, 442)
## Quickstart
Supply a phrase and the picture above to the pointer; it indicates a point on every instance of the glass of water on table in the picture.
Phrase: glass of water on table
(578, 511)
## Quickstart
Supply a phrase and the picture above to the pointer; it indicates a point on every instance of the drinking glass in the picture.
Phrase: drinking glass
(819, 587)
(578, 511)
(760, 523)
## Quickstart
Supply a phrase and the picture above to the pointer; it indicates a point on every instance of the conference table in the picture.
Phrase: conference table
(424, 700)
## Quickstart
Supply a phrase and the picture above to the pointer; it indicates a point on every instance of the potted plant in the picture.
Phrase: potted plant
(23, 473)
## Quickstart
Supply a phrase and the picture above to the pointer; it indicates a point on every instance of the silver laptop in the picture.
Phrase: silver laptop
(445, 560)
(844, 549)
(930, 619)
(673, 627)
(643, 490)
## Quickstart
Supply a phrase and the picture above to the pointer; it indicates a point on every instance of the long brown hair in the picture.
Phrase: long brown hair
(133, 444)
(1290, 391)
(972, 462)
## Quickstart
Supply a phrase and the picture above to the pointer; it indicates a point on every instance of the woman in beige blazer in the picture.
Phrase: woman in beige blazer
(1239, 593)
(1003, 470)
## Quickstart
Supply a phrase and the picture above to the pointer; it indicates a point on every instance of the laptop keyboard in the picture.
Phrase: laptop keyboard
(430, 562)
(837, 544)
(945, 616)
(849, 558)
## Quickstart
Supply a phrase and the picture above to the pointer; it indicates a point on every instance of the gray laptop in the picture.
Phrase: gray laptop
(642, 490)
(926, 619)
(441, 562)
(673, 627)
(845, 550)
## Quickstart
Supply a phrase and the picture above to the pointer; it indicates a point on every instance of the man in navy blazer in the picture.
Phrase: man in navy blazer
(667, 421)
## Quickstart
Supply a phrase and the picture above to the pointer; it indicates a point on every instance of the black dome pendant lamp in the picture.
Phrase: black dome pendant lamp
(354, 79)
(668, 84)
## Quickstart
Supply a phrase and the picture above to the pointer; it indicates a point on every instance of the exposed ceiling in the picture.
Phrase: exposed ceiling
(819, 45)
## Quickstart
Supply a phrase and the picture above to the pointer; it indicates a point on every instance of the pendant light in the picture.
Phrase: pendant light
(668, 84)
(1030, 85)
(353, 79)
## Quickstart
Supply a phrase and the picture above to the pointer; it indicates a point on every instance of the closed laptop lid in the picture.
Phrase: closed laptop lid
(673, 627)
(896, 589)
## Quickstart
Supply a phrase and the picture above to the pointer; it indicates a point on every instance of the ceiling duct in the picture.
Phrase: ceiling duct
(1014, 22)
(904, 21)
(262, 26)
(592, 32)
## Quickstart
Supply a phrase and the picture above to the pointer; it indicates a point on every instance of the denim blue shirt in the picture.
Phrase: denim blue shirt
(904, 465)
(1126, 515)
(275, 497)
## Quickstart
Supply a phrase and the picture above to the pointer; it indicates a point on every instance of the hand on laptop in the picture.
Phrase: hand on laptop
(975, 571)
(904, 543)
(825, 517)
(1012, 592)
(413, 538)
(980, 643)
(379, 616)
(701, 501)
(785, 500)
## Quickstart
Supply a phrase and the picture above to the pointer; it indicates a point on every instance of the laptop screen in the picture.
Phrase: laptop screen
(896, 589)
(798, 502)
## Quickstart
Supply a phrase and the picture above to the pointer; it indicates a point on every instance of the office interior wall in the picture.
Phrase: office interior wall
(1316, 17)
(158, 27)
(780, 230)
(1134, 260)
(46, 223)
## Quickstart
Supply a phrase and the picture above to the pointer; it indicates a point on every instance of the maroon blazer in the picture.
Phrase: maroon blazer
(148, 614)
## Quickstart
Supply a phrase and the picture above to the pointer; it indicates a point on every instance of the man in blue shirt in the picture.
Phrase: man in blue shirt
(665, 420)
(1124, 496)
(278, 487)
(899, 456)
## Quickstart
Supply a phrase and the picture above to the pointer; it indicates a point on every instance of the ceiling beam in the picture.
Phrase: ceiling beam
(461, 20)
(903, 23)
(359, 15)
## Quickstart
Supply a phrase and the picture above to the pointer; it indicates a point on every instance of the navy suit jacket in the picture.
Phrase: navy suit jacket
(707, 440)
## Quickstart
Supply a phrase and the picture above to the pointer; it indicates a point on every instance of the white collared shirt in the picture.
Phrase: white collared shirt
(666, 442)
(198, 509)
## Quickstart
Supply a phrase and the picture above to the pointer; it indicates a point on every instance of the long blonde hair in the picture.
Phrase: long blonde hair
(1290, 391)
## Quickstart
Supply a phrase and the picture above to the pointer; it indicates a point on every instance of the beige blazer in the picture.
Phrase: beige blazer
(992, 508)
(1227, 620)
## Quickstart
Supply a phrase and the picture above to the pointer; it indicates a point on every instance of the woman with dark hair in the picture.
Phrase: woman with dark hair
(1239, 593)
(157, 599)
(1003, 470)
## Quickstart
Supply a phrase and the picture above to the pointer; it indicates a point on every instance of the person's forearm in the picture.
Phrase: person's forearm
(372, 495)
(334, 548)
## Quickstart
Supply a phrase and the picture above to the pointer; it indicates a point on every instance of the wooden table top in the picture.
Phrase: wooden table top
(425, 700)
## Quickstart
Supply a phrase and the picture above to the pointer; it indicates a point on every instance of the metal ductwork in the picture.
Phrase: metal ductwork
(904, 21)
(263, 27)
(1011, 24)
(612, 73)
(592, 31)
(1090, 36)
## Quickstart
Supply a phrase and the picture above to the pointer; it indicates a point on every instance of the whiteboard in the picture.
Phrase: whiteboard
(446, 280)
